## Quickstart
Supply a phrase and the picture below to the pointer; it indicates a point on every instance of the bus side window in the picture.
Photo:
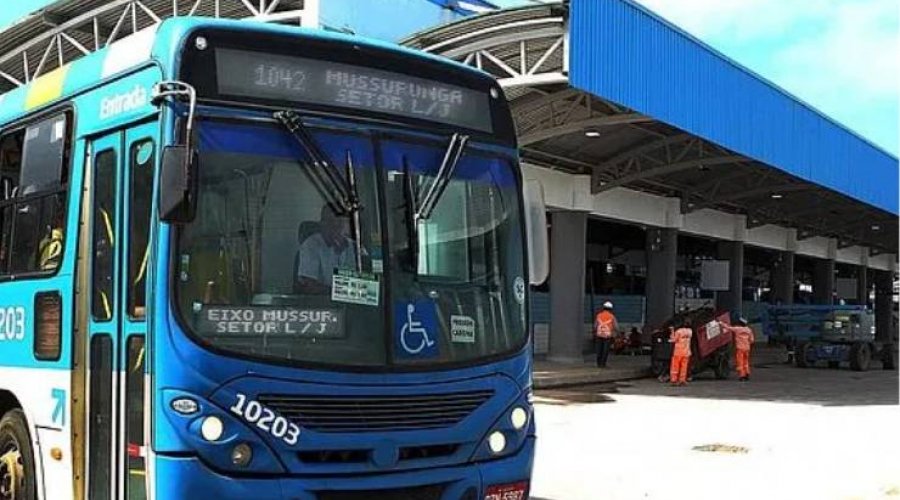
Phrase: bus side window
(141, 160)
(10, 168)
(104, 223)
(33, 183)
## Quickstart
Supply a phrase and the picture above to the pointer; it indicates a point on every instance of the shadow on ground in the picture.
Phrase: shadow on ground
(775, 383)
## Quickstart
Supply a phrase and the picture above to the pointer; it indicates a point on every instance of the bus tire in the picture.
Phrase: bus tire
(15, 441)
(860, 356)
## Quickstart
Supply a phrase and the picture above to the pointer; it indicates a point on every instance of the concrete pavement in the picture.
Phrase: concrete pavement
(789, 433)
(548, 375)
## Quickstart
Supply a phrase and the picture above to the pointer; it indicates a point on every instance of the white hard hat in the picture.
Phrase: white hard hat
(607, 305)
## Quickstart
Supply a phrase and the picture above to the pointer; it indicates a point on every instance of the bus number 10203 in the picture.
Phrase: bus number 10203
(12, 323)
(255, 413)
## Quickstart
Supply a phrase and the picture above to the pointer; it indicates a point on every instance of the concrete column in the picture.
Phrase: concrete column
(732, 299)
(568, 247)
(884, 306)
(862, 285)
(783, 278)
(823, 282)
(662, 251)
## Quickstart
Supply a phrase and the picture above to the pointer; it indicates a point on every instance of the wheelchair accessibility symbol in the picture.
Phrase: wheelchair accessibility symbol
(415, 330)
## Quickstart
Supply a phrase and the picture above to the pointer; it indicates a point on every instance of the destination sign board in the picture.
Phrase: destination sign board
(254, 74)
(238, 321)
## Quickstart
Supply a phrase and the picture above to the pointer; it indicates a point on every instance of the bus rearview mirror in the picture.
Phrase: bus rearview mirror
(178, 184)
(536, 232)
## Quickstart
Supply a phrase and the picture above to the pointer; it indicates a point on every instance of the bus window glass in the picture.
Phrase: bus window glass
(141, 160)
(52, 231)
(134, 419)
(10, 163)
(100, 414)
(267, 268)
(6, 218)
(32, 196)
(44, 152)
(25, 235)
(104, 223)
(464, 280)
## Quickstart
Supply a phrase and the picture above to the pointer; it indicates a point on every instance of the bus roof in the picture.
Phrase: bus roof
(158, 43)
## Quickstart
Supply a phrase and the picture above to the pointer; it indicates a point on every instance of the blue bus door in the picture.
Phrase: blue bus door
(121, 184)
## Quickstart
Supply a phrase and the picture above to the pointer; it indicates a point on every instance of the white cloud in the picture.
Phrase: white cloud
(739, 19)
(857, 52)
(842, 56)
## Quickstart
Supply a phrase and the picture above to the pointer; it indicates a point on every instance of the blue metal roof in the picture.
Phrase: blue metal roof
(626, 54)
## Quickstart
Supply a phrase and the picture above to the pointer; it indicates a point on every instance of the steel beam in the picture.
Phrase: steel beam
(580, 125)
(667, 170)
(14, 62)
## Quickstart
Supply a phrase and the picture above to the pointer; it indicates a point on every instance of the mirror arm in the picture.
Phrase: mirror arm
(181, 91)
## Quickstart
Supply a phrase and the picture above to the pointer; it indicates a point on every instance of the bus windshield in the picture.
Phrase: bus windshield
(270, 268)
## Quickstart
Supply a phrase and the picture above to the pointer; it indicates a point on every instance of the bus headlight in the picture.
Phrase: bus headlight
(212, 428)
(497, 442)
(241, 455)
(518, 418)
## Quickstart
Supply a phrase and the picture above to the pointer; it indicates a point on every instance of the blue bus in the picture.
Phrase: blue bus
(241, 260)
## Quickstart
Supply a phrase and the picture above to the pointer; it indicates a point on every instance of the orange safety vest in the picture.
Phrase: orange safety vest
(743, 337)
(682, 340)
(605, 323)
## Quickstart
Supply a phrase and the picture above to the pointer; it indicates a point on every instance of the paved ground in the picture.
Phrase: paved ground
(788, 433)
(549, 375)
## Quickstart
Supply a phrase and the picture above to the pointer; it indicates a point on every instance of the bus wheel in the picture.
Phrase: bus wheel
(16, 458)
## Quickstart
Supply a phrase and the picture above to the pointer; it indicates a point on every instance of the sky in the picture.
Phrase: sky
(13, 10)
(839, 56)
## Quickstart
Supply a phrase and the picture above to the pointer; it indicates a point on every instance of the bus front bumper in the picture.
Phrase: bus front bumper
(187, 477)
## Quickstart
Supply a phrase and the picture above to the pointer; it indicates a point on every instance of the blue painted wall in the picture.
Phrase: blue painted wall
(624, 53)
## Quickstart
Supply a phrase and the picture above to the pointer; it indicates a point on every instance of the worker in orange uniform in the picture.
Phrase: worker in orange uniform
(681, 353)
(605, 326)
(743, 341)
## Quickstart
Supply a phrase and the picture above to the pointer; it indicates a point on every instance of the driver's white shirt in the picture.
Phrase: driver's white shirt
(318, 260)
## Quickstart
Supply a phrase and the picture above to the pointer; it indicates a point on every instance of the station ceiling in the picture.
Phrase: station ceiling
(565, 128)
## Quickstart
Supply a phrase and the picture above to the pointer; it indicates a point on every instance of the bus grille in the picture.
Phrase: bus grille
(376, 413)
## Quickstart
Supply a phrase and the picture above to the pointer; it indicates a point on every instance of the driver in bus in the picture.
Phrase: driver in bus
(321, 253)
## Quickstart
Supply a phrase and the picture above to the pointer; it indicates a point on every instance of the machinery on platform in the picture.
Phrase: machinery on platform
(832, 334)
(846, 336)
(710, 344)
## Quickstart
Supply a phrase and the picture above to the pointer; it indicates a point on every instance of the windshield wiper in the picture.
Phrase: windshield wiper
(421, 209)
(354, 210)
(448, 166)
(411, 197)
(340, 192)
(334, 188)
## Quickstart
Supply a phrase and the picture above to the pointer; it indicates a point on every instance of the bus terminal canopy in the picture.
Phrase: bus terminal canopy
(609, 89)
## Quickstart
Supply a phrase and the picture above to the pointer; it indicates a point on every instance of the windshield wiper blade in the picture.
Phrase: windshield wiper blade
(452, 155)
(336, 190)
(354, 210)
(411, 197)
